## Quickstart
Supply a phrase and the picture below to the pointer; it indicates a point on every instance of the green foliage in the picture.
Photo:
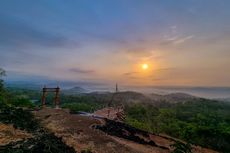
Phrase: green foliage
(202, 122)
(2, 89)
(22, 102)
(181, 147)
(142, 116)
(24, 93)
(11, 98)
(87, 150)
(20, 118)
(2, 74)
(138, 124)
(44, 143)
(77, 99)
(86, 107)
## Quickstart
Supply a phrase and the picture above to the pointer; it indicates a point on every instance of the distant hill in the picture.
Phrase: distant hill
(23, 85)
(179, 97)
(75, 90)
(125, 97)
(224, 99)
(130, 97)
(173, 97)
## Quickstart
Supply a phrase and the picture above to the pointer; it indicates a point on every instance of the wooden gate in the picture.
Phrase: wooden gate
(56, 98)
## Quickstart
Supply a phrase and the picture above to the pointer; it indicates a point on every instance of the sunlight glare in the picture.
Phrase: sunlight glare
(145, 66)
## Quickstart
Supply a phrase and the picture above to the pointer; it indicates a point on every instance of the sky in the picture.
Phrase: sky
(183, 42)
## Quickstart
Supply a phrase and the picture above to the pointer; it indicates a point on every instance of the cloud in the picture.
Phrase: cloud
(165, 69)
(175, 40)
(158, 79)
(81, 71)
(130, 73)
(182, 40)
(138, 51)
(168, 70)
(105, 37)
(175, 37)
(135, 78)
(24, 78)
(172, 38)
(173, 29)
(17, 33)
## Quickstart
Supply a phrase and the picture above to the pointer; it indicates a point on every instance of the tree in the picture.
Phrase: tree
(180, 147)
(2, 74)
(2, 90)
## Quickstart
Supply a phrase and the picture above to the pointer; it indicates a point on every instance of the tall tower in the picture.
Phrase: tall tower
(116, 87)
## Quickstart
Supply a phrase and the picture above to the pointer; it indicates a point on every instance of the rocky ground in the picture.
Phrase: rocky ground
(8, 134)
(77, 131)
(20, 132)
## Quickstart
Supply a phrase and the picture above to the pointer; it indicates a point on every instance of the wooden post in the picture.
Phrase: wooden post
(44, 96)
(57, 97)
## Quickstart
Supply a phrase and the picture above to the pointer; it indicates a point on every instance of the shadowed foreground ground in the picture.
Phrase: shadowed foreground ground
(76, 131)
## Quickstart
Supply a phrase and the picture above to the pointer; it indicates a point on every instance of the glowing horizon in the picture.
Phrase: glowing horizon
(183, 43)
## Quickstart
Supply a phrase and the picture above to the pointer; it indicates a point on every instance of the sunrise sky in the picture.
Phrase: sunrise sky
(182, 42)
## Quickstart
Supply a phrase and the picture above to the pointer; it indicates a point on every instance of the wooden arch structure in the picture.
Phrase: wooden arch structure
(56, 98)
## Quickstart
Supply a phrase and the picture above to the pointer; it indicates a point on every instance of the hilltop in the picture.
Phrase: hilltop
(78, 132)
(176, 116)
(131, 97)
(75, 90)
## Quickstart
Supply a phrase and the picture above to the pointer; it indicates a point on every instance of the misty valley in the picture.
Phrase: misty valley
(193, 120)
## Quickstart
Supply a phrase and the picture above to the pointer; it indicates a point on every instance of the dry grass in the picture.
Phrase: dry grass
(8, 134)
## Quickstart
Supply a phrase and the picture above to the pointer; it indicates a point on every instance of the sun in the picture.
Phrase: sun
(145, 66)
